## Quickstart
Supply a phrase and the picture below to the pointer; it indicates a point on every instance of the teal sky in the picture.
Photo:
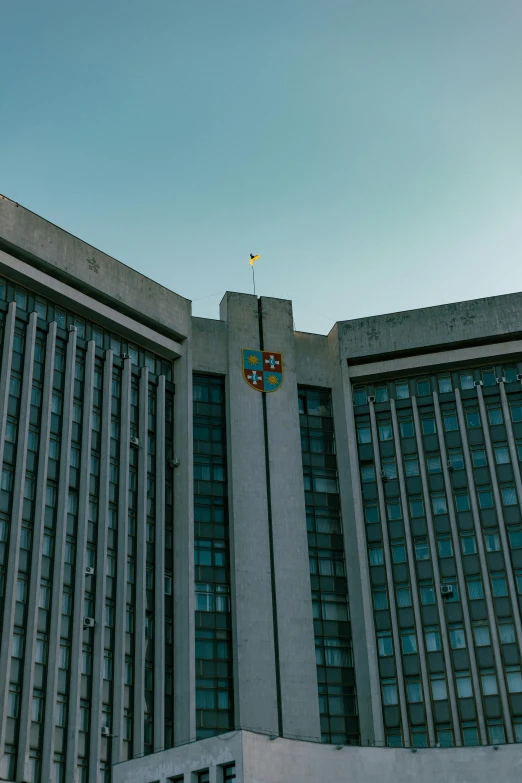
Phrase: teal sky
(369, 150)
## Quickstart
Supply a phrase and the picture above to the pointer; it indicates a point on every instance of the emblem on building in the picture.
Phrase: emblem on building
(263, 370)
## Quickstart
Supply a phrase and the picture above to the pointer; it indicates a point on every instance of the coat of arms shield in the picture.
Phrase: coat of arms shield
(263, 370)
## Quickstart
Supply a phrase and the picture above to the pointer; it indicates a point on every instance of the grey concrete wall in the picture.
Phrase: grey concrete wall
(297, 666)
(313, 365)
(261, 760)
(477, 320)
(255, 686)
(75, 262)
(209, 346)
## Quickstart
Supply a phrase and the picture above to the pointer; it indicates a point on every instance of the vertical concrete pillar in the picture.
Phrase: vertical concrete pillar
(58, 562)
(183, 540)
(159, 572)
(95, 738)
(22, 771)
(354, 530)
(141, 559)
(16, 521)
(291, 578)
(79, 578)
(255, 675)
(118, 723)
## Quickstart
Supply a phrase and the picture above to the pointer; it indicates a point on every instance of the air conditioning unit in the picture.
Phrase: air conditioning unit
(89, 571)
(449, 464)
(174, 463)
(105, 731)
(478, 383)
(446, 589)
(88, 622)
(72, 328)
(135, 442)
(384, 476)
(126, 356)
(371, 398)
(501, 380)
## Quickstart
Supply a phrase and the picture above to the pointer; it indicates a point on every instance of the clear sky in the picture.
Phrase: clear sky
(369, 150)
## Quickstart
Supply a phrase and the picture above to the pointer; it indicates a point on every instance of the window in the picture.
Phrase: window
(509, 495)
(389, 468)
(456, 458)
(462, 500)
(411, 465)
(510, 374)
(403, 595)
(444, 382)
(423, 387)
(414, 691)
(468, 543)
(432, 637)
(485, 496)
(514, 679)
(438, 687)
(499, 584)
(359, 395)
(495, 415)
(371, 513)
(439, 504)
(488, 377)
(394, 509)
(496, 732)
(518, 578)
(470, 733)
(445, 547)
(367, 473)
(516, 412)
(375, 555)
(501, 454)
(380, 599)
(389, 692)
(385, 431)
(464, 687)
(416, 507)
(203, 776)
(422, 550)
(364, 433)
(428, 425)
(433, 463)
(466, 381)
(489, 682)
(427, 593)
(451, 423)
(457, 636)
(492, 541)
(398, 549)
(475, 590)
(381, 394)
(384, 644)
(478, 456)
(394, 738)
(515, 537)
(402, 390)
(481, 633)
(472, 419)
(409, 642)
(507, 633)
(229, 772)
(406, 427)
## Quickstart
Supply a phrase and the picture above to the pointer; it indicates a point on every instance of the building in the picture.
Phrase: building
(182, 556)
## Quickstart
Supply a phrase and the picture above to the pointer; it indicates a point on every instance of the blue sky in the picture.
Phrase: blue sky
(370, 151)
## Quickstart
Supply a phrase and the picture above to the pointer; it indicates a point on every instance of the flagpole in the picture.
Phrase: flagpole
(254, 279)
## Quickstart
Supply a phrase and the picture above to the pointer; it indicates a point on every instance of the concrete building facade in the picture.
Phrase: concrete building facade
(188, 565)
